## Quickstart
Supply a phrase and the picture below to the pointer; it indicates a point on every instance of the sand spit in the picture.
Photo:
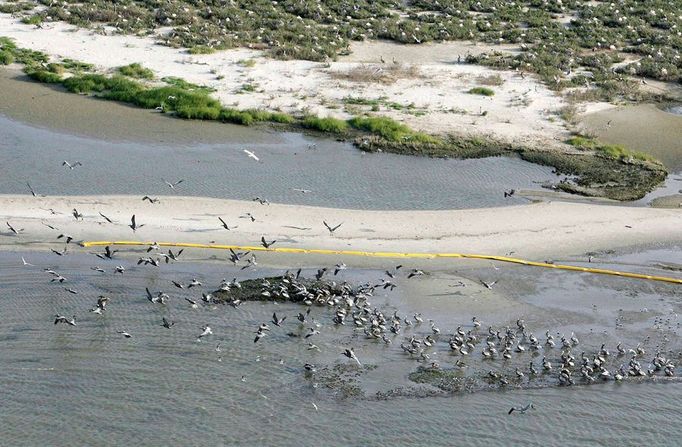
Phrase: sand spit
(533, 231)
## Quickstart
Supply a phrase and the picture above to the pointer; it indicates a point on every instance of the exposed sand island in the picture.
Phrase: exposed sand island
(534, 231)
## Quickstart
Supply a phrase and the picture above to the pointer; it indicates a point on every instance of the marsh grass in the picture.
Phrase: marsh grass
(483, 91)
(6, 57)
(137, 71)
(330, 125)
(390, 129)
(608, 150)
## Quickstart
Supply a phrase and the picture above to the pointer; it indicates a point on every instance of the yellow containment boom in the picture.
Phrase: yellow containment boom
(383, 254)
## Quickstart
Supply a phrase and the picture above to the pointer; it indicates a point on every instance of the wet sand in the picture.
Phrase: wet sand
(51, 107)
(645, 127)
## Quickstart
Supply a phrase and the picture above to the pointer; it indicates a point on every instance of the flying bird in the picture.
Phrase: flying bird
(330, 228)
(172, 185)
(222, 222)
(251, 154)
(76, 214)
(14, 230)
(151, 200)
(71, 165)
(265, 243)
(106, 218)
(134, 224)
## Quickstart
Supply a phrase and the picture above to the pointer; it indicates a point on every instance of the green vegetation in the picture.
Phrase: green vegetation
(484, 91)
(390, 130)
(247, 62)
(32, 20)
(45, 76)
(201, 49)
(608, 150)
(6, 57)
(76, 66)
(136, 71)
(331, 125)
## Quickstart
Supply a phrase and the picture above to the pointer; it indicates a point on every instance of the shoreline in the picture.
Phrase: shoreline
(533, 231)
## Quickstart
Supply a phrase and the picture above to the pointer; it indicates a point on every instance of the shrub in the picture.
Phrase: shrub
(6, 57)
(201, 49)
(44, 76)
(236, 117)
(485, 91)
(137, 71)
(332, 125)
(86, 83)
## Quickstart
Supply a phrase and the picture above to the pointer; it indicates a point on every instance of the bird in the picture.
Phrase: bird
(251, 154)
(330, 228)
(172, 256)
(339, 267)
(193, 283)
(68, 238)
(193, 304)
(14, 230)
(108, 253)
(76, 214)
(23, 261)
(59, 253)
(51, 227)
(277, 321)
(119, 269)
(248, 216)
(106, 218)
(167, 323)
(150, 200)
(206, 330)
(262, 201)
(71, 165)
(415, 272)
(33, 193)
(301, 190)
(173, 185)
(133, 225)
(178, 285)
(351, 355)
(521, 410)
(62, 319)
(70, 290)
(509, 193)
(124, 333)
(266, 244)
(222, 222)
(488, 285)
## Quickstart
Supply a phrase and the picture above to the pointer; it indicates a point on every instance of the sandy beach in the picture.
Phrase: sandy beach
(534, 231)
(433, 98)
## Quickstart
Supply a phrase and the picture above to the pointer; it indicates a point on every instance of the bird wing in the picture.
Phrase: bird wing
(132, 221)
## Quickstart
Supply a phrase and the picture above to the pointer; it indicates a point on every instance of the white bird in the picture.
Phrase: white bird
(521, 410)
(24, 261)
(172, 185)
(206, 331)
(71, 165)
(251, 154)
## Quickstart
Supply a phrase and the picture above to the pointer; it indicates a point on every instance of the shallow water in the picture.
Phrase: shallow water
(336, 174)
(95, 387)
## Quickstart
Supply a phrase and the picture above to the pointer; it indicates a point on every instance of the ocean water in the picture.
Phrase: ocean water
(88, 385)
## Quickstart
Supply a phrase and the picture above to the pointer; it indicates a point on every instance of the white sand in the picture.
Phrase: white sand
(535, 231)
(522, 110)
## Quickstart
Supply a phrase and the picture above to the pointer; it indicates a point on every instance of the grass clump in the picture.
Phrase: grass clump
(137, 71)
(484, 91)
(45, 76)
(6, 57)
(77, 66)
(390, 129)
(181, 83)
(32, 20)
(329, 124)
(247, 63)
(613, 151)
(201, 49)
